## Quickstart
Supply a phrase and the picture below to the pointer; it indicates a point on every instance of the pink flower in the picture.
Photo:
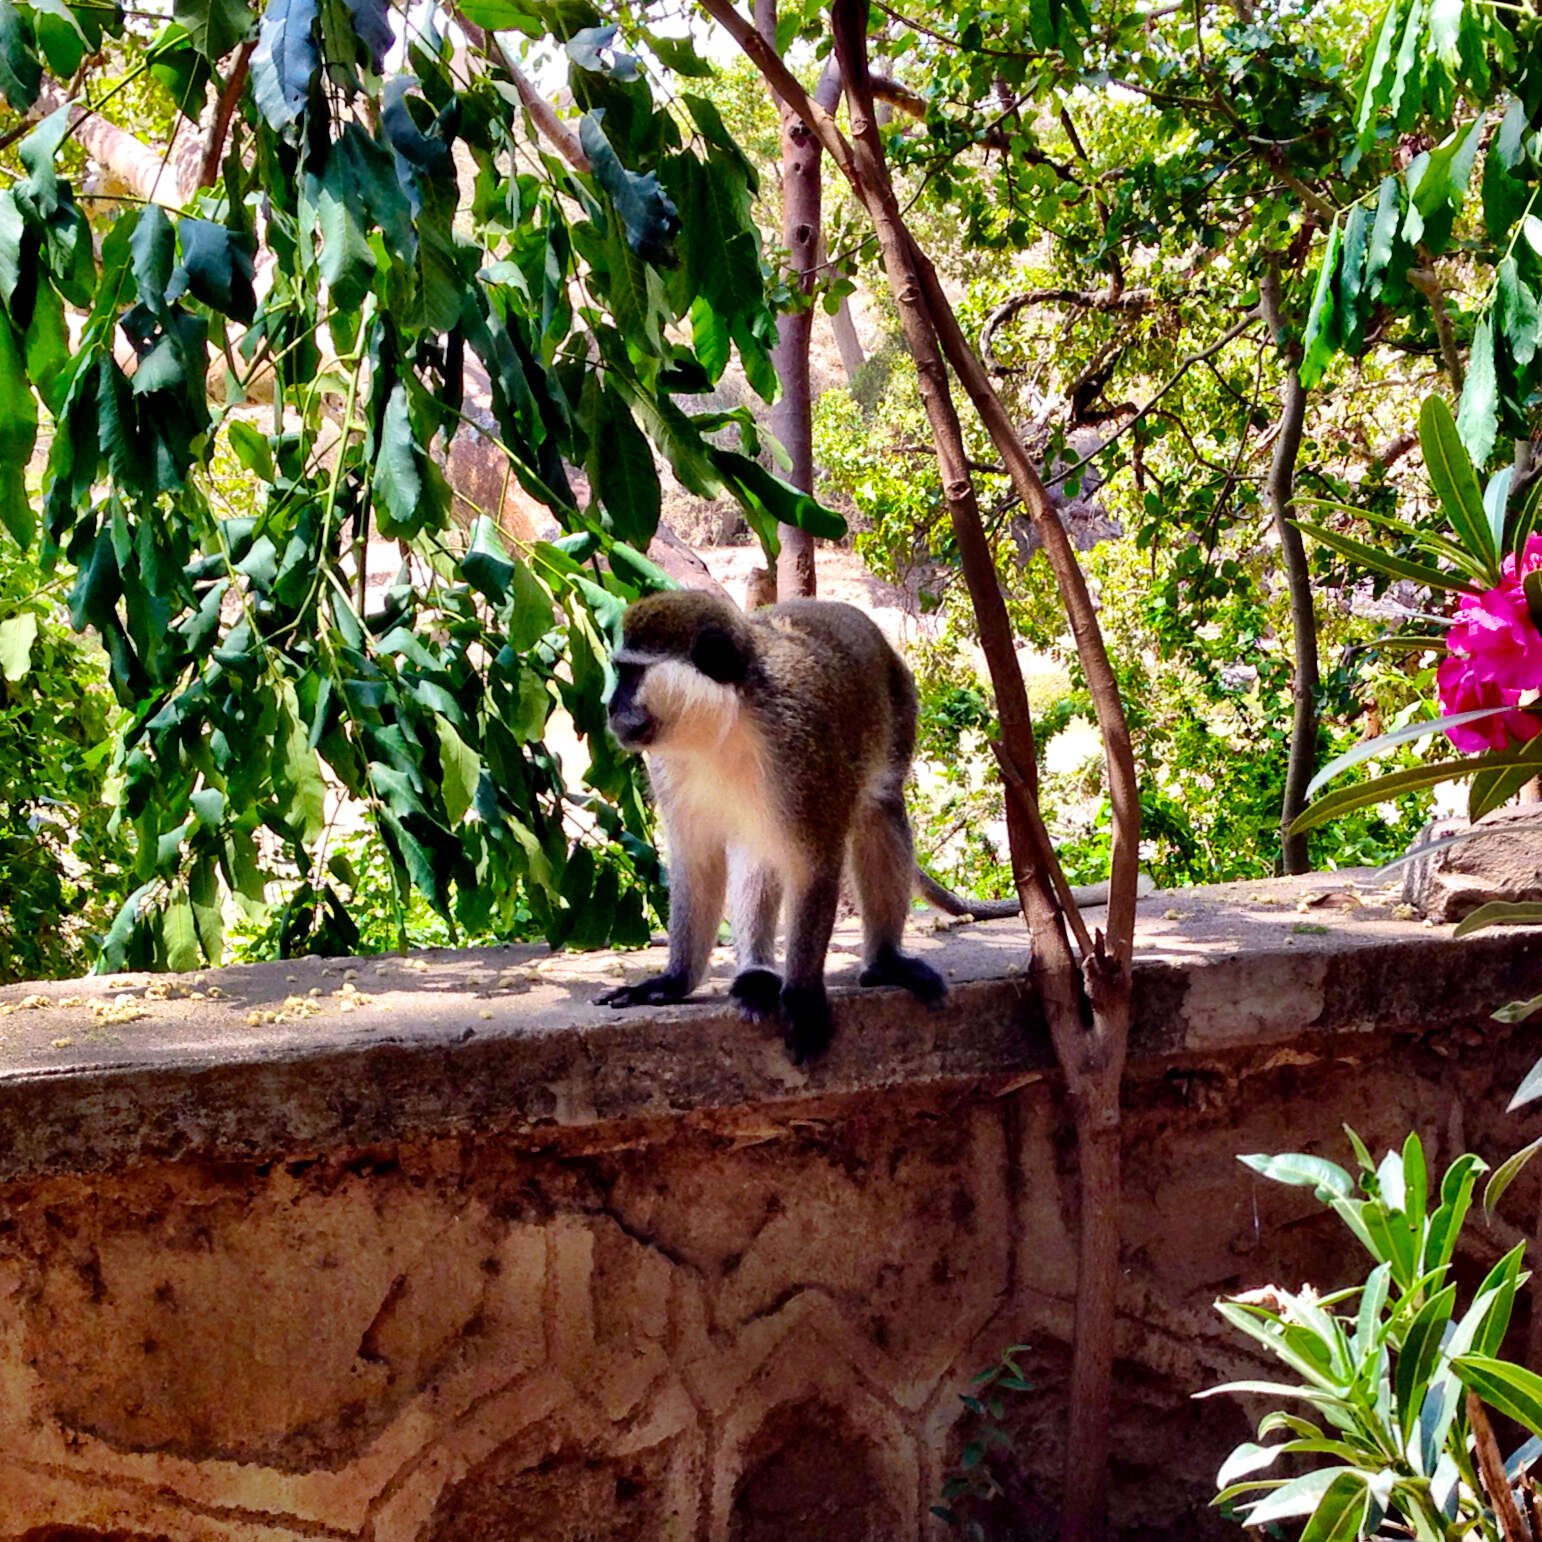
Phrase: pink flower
(1465, 687)
(1494, 659)
(1496, 632)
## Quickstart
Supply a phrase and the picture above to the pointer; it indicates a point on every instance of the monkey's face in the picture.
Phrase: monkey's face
(631, 720)
(669, 702)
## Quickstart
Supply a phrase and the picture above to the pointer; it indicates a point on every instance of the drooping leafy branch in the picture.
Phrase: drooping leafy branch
(240, 395)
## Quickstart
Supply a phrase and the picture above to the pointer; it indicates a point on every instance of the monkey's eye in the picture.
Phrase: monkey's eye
(627, 675)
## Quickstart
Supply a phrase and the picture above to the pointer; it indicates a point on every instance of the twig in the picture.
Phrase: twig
(1491, 1468)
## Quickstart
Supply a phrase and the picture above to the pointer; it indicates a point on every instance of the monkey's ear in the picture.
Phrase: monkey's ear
(718, 656)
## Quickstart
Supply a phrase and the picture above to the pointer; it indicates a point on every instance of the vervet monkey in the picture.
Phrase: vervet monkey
(778, 744)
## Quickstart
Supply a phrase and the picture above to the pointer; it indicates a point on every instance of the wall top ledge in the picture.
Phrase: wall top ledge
(285, 1059)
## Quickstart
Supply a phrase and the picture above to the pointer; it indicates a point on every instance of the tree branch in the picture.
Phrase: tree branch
(219, 129)
(551, 128)
(1427, 281)
(1279, 496)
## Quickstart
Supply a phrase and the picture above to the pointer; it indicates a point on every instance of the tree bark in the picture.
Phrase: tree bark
(792, 417)
(1279, 495)
(1088, 1009)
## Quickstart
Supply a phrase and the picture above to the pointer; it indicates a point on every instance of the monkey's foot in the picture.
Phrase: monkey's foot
(806, 1022)
(660, 990)
(891, 967)
(756, 993)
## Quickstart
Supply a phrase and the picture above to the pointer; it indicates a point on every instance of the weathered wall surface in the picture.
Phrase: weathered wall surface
(693, 1309)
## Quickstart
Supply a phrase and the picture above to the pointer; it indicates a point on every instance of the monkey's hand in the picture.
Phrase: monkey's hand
(806, 1022)
(659, 991)
(756, 993)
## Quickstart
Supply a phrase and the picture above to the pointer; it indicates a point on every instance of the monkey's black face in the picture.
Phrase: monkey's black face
(633, 725)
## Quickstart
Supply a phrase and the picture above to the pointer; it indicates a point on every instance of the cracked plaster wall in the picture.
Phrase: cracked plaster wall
(747, 1326)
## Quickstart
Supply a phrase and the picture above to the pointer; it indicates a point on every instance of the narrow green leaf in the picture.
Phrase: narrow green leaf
(18, 434)
(398, 481)
(1383, 788)
(1446, 459)
(1507, 1172)
(1376, 82)
(1500, 913)
(624, 475)
(1302, 1170)
(1322, 332)
(1378, 251)
(1383, 562)
(1416, 1359)
(1530, 1088)
(1512, 1389)
(1368, 749)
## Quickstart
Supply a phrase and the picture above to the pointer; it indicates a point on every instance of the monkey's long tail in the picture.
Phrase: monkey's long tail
(933, 893)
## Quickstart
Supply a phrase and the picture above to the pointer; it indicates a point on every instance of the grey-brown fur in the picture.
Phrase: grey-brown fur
(778, 745)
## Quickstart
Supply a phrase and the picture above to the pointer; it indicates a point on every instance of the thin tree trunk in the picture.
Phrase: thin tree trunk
(1088, 1011)
(1279, 495)
(852, 355)
(792, 417)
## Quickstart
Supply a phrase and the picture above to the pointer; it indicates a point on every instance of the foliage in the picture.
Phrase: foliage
(338, 268)
(1484, 540)
(61, 860)
(1381, 1370)
(976, 1483)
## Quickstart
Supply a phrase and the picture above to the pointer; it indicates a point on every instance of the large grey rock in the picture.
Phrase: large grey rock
(1503, 862)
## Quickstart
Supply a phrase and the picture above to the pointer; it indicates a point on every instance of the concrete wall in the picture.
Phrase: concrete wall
(471, 1259)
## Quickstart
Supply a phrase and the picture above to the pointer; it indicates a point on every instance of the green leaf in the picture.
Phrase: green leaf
(217, 268)
(1384, 562)
(1505, 193)
(1416, 1359)
(398, 481)
(1322, 331)
(1512, 1389)
(284, 60)
(1341, 1513)
(754, 486)
(1383, 788)
(16, 638)
(204, 896)
(646, 213)
(1500, 913)
(459, 768)
(296, 776)
(1376, 82)
(1300, 1496)
(625, 477)
(1445, 448)
(21, 76)
(59, 36)
(1378, 251)
(347, 265)
(215, 26)
(18, 434)
(1507, 1172)
(181, 937)
(1302, 1170)
(678, 55)
(1530, 1088)
(1349, 277)
(1367, 749)
(711, 339)
(1477, 419)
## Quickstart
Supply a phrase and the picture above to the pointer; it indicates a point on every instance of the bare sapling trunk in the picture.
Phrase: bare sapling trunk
(792, 418)
(1086, 1001)
(1279, 497)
